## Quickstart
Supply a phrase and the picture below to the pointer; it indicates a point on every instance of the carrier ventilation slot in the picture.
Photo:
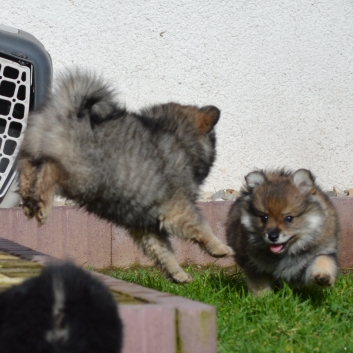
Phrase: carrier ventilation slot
(15, 90)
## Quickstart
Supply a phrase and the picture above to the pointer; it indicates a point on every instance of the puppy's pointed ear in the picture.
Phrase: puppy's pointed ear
(304, 181)
(206, 118)
(254, 179)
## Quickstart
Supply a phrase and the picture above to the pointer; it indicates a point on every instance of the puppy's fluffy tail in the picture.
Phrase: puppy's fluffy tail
(79, 101)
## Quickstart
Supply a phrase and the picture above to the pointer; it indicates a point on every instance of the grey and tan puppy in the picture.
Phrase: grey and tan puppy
(283, 227)
(140, 170)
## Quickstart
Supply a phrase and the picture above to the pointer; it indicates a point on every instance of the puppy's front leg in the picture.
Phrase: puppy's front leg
(159, 249)
(181, 217)
(322, 271)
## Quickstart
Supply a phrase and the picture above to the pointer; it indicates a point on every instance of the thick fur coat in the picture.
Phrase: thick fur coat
(283, 227)
(138, 170)
(64, 310)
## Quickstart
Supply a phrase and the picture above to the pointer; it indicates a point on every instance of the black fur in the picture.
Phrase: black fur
(88, 314)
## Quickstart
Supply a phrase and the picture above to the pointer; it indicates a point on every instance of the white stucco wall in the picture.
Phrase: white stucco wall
(281, 71)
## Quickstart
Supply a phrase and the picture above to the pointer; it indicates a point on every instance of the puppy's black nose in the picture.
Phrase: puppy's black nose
(273, 234)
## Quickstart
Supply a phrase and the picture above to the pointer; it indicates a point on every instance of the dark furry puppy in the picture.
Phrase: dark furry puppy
(64, 310)
(141, 171)
(283, 227)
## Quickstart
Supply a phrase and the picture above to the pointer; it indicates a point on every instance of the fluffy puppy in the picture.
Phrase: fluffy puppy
(140, 170)
(64, 310)
(283, 227)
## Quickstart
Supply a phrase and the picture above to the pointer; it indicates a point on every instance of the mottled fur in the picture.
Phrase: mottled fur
(137, 170)
(63, 310)
(283, 227)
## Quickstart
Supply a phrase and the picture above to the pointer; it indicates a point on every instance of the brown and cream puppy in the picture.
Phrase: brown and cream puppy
(284, 227)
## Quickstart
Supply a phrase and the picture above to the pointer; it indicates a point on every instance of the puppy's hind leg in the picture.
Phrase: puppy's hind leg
(28, 170)
(259, 283)
(182, 218)
(159, 249)
(48, 177)
(37, 186)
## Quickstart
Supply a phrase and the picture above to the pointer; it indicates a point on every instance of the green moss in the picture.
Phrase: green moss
(125, 298)
(205, 320)
(179, 341)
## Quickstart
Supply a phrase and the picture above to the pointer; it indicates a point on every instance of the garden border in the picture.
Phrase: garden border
(163, 323)
(74, 234)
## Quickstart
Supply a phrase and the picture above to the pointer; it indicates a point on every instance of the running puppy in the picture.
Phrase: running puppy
(283, 227)
(141, 170)
(64, 310)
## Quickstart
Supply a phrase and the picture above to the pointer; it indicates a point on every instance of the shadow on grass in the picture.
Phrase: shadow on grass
(216, 281)
(219, 278)
(316, 296)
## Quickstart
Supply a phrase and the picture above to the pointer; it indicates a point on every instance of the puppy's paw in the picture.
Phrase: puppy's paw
(221, 250)
(29, 207)
(262, 292)
(42, 212)
(323, 279)
(28, 212)
(180, 277)
(323, 271)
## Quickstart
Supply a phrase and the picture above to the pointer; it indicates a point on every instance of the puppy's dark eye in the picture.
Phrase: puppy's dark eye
(288, 219)
(264, 218)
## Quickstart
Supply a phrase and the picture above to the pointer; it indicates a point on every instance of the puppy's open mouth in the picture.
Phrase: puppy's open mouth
(277, 248)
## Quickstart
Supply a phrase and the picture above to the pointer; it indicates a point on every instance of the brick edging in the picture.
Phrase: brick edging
(74, 234)
(173, 320)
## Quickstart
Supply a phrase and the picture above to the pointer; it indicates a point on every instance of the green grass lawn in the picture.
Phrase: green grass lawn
(286, 321)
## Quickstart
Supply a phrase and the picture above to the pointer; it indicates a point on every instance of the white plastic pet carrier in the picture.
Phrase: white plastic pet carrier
(25, 80)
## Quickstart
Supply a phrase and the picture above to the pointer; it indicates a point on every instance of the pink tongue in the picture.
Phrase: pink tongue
(276, 248)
